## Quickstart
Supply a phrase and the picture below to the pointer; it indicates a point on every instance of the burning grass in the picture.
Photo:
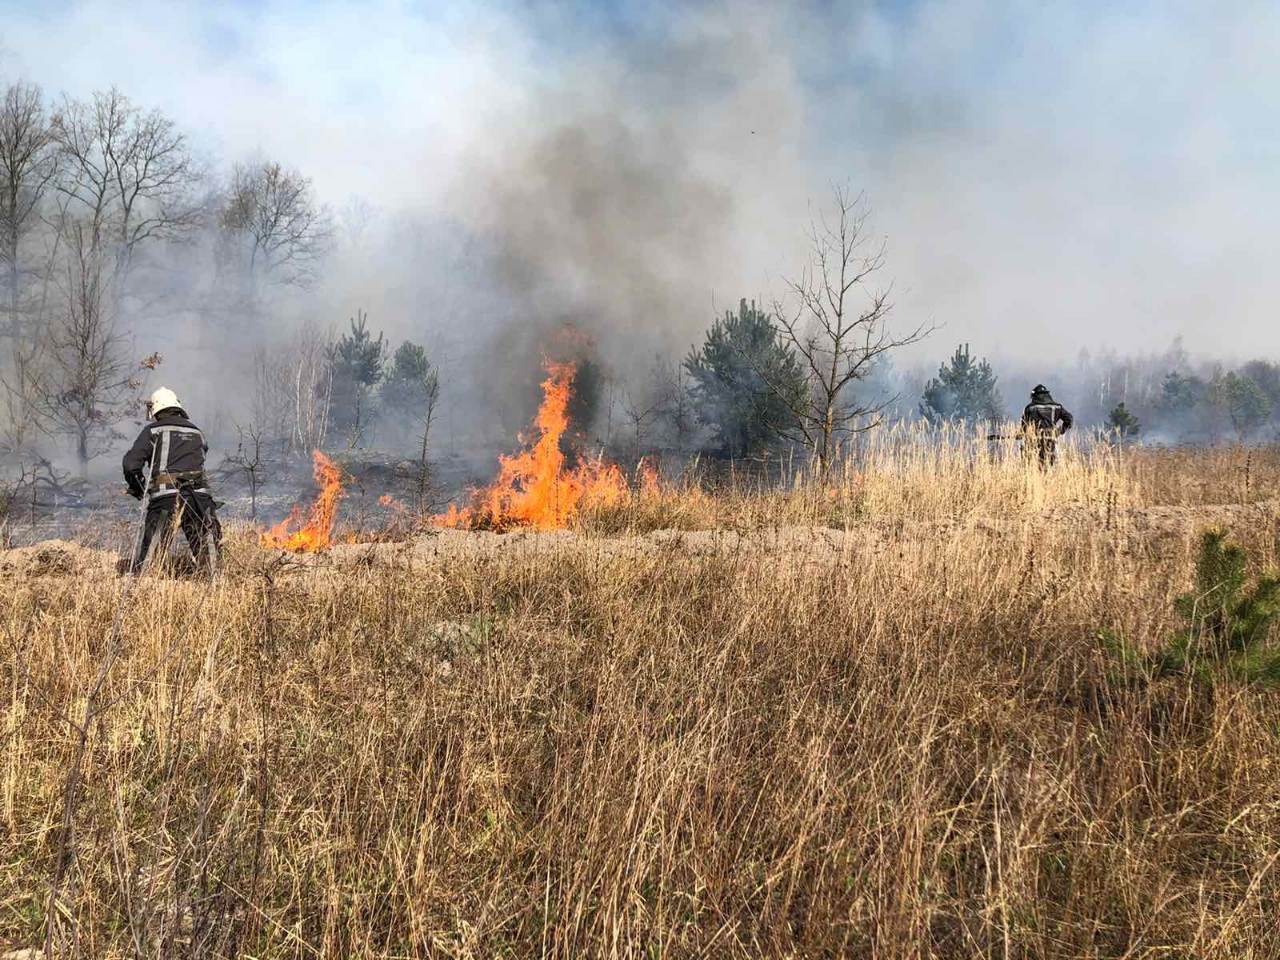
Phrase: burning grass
(870, 719)
(311, 529)
(537, 487)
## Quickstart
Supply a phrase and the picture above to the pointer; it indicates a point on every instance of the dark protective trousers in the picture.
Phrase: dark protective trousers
(196, 514)
(1045, 449)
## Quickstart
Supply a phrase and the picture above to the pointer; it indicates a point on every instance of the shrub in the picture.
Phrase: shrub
(1228, 623)
(1123, 423)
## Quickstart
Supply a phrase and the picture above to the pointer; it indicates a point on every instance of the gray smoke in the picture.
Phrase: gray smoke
(634, 192)
(1047, 178)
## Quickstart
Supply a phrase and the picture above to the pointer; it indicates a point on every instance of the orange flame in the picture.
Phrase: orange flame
(533, 488)
(650, 482)
(315, 533)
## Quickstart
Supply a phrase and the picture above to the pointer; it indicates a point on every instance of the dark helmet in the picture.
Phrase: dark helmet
(1040, 393)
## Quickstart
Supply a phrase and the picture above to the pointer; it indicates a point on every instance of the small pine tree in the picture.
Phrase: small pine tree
(410, 383)
(1229, 623)
(964, 389)
(746, 384)
(1122, 422)
(355, 364)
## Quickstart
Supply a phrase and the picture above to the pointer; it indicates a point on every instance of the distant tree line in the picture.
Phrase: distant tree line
(1170, 397)
(744, 372)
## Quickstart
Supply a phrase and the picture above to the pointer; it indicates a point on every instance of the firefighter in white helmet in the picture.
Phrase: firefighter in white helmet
(165, 466)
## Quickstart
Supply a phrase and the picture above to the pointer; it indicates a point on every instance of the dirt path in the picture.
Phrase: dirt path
(1159, 528)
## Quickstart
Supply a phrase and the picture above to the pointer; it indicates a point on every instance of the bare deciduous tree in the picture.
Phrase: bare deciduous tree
(675, 403)
(28, 163)
(272, 216)
(252, 458)
(640, 409)
(354, 221)
(273, 403)
(102, 179)
(32, 485)
(312, 388)
(86, 388)
(660, 403)
(293, 385)
(126, 179)
(128, 174)
(838, 326)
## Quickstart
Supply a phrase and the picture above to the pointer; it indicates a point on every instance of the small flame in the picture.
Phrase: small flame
(533, 487)
(650, 482)
(297, 536)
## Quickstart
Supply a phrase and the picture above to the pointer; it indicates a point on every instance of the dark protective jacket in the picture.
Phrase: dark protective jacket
(170, 449)
(1046, 415)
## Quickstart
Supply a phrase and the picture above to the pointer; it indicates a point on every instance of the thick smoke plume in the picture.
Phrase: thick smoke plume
(503, 181)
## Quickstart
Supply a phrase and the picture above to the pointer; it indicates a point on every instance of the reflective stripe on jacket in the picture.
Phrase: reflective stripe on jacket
(170, 450)
(1047, 416)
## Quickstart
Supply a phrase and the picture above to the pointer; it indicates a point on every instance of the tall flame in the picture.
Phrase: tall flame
(315, 533)
(533, 487)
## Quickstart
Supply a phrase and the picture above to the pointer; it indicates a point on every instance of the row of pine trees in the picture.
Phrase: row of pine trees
(744, 381)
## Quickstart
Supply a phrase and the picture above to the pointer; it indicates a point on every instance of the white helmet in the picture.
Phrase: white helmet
(163, 399)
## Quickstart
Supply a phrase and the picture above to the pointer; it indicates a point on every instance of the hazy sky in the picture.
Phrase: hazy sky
(1047, 175)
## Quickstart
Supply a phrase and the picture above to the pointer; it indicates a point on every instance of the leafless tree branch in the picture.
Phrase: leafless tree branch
(838, 323)
(272, 214)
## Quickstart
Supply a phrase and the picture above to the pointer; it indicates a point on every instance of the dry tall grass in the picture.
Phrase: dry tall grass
(889, 732)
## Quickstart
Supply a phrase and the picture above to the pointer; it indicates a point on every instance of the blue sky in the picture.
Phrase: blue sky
(1057, 172)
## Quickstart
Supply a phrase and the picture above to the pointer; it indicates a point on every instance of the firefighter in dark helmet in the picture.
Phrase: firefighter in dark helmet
(1044, 420)
(165, 466)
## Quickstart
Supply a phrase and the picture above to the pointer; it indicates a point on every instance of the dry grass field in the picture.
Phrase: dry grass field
(867, 719)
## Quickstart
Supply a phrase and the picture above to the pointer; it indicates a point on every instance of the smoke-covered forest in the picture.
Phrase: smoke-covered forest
(131, 259)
